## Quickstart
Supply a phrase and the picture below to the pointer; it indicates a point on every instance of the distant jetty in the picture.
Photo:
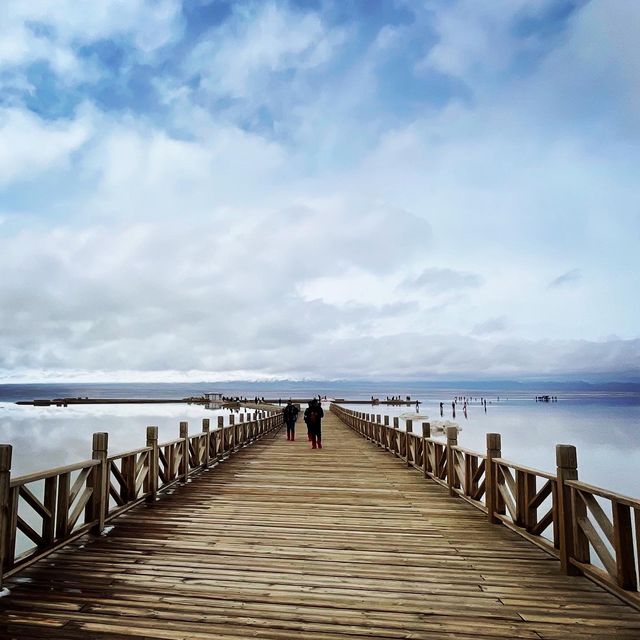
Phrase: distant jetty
(63, 402)
(205, 399)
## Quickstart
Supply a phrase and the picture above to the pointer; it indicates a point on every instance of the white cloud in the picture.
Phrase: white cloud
(434, 280)
(477, 37)
(29, 145)
(144, 172)
(41, 30)
(358, 243)
(237, 58)
(595, 72)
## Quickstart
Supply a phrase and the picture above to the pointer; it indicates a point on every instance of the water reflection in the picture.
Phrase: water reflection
(47, 437)
(604, 427)
(605, 430)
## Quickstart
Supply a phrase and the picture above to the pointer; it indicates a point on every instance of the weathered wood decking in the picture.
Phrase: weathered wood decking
(284, 542)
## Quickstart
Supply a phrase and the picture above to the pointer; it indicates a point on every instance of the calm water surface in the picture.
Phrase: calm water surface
(604, 427)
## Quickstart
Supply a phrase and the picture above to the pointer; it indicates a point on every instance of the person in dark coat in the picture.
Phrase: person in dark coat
(313, 417)
(290, 415)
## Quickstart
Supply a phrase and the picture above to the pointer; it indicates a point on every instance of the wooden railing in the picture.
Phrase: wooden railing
(49, 509)
(567, 518)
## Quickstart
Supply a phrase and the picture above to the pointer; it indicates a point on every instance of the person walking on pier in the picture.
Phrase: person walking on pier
(313, 417)
(290, 415)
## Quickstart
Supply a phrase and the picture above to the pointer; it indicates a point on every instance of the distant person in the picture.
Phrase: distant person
(313, 417)
(442, 409)
(290, 415)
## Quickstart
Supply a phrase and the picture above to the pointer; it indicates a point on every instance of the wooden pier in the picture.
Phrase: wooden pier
(237, 533)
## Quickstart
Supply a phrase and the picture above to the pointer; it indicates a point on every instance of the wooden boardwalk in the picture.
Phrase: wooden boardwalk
(284, 542)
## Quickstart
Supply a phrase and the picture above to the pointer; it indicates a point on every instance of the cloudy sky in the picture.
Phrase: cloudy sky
(214, 189)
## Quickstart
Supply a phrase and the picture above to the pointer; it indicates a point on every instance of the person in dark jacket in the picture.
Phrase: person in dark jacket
(313, 417)
(290, 415)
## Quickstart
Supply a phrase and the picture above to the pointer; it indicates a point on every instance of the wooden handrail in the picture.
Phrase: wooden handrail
(519, 467)
(634, 503)
(573, 515)
(51, 473)
(133, 452)
(81, 497)
(470, 452)
(170, 442)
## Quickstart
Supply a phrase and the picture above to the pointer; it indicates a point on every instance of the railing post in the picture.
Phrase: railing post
(184, 436)
(573, 543)
(99, 482)
(470, 467)
(221, 438)
(5, 490)
(525, 492)
(206, 429)
(452, 476)
(154, 463)
(623, 546)
(232, 440)
(494, 450)
(386, 433)
(395, 448)
(407, 447)
(426, 433)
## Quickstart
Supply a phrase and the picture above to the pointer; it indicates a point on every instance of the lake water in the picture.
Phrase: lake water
(604, 426)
